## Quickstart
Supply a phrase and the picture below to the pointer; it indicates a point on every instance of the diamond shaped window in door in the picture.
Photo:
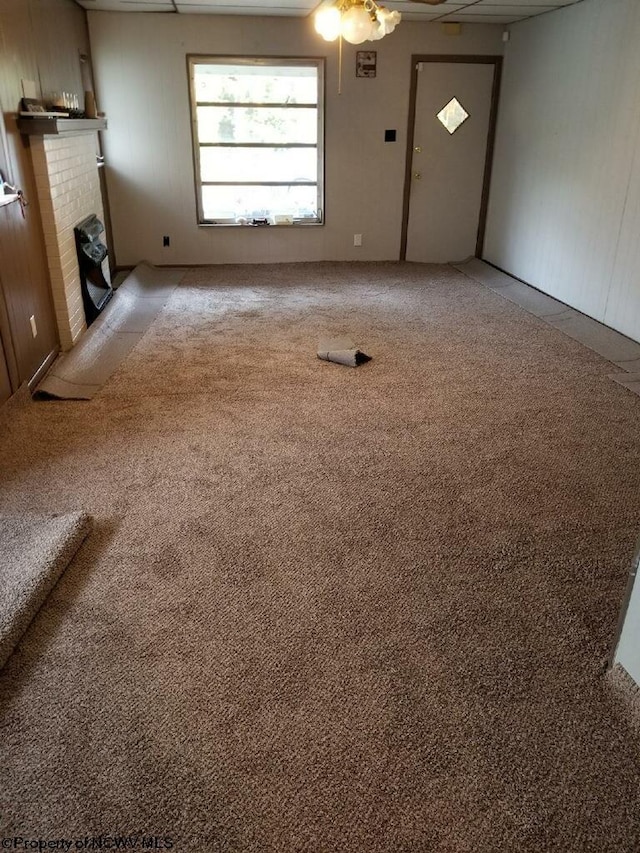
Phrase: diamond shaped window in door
(453, 115)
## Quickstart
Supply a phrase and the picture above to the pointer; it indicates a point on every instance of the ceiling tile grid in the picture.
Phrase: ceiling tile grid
(464, 11)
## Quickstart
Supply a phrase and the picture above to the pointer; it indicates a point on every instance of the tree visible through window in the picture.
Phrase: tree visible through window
(257, 137)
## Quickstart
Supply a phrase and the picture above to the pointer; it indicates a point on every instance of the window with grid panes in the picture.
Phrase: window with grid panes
(258, 138)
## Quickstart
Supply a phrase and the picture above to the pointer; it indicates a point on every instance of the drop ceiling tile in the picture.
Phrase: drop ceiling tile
(469, 11)
(420, 8)
(459, 17)
(251, 8)
(417, 16)
(517, 4)
(494, 8)
(127, 5)
(421, 12)
(267, 6)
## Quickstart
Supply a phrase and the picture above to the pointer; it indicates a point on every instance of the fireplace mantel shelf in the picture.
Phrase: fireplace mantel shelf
(59, 126)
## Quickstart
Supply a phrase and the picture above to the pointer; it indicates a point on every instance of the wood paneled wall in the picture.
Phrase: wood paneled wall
(564, 209)
(40, 40)
(8, 371)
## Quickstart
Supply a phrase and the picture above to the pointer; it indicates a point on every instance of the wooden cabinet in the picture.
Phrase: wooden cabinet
(42, 41)
(7, 387)
(26, 291)
(8, 365)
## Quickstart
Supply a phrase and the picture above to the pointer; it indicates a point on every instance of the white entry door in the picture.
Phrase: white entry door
(451, 128)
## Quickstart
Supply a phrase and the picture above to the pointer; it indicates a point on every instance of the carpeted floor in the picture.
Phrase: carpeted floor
(34, 551)
(327, 609)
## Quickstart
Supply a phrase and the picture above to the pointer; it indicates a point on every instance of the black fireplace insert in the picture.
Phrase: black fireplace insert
(96, 290)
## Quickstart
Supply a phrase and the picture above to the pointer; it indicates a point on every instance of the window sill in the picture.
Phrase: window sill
(8, 199)
(250, 226)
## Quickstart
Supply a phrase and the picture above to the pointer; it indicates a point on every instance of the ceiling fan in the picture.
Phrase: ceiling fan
(357, 21)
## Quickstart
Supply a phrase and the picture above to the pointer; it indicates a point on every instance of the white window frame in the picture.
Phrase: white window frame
(261, 61)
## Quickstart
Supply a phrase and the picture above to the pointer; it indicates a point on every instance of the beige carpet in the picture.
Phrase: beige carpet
(34, 551)
(327, 609)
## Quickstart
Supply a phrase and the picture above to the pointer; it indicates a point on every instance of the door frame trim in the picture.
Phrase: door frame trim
(416, 59)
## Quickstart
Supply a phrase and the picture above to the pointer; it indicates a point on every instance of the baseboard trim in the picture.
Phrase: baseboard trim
(557, 299)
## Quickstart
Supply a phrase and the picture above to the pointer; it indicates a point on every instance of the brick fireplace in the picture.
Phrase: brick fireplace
(68, 186)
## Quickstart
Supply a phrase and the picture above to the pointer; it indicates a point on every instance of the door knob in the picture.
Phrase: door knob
(418, 149)
(417, 175)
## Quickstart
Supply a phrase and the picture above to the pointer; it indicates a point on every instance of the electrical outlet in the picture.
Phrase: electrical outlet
(166, 241)
(34, 328)
(357, 239)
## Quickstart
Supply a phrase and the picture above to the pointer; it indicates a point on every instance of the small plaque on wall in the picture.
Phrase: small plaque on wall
(366, 63)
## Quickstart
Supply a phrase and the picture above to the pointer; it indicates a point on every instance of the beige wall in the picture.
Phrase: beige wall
(564, 212)
(141, 82)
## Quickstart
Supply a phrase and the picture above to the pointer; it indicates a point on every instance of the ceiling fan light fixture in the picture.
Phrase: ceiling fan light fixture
(355, 21)
(387, 20)
(328, 22)
(357, 25)
(377, 32)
